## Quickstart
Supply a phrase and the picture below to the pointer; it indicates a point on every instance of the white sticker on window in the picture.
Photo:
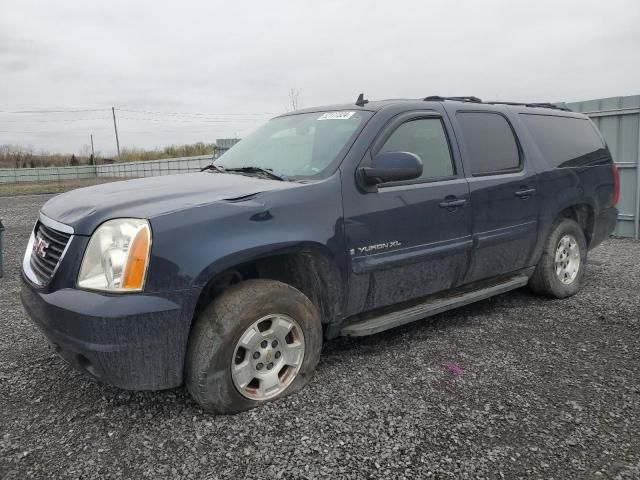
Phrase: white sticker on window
(336, 115)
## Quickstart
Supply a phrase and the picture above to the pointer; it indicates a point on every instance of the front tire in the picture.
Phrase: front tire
(561, 268)
(260, 340)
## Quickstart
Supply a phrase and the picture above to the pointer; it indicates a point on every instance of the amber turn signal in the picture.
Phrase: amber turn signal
(137, 260)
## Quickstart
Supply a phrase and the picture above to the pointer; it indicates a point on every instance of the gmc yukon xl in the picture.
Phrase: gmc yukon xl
(340, 220)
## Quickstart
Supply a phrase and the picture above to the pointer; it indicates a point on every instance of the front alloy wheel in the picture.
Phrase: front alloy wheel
(258, 341)
(267, 357)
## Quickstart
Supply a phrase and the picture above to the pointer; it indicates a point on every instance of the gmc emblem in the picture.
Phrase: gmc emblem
(40, 247)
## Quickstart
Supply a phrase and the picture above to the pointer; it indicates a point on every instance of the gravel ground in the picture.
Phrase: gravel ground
(512, 387)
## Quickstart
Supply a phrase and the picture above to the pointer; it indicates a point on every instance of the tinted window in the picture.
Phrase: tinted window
(489, 142)
(566, 141)
(427, 139)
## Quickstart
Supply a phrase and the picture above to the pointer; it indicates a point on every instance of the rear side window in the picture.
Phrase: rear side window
(566, 141)
(489, 143)
(427, 139)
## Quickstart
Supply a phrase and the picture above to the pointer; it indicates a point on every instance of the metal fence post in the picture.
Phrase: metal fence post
(1, 249)
(636, 226)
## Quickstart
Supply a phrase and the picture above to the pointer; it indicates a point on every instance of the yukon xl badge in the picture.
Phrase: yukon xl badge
(376, 247)
(40, 247)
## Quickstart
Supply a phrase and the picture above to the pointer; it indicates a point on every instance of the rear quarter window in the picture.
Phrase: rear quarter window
(567, 141)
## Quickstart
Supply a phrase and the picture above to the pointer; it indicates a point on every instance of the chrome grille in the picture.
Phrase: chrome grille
(48, 247)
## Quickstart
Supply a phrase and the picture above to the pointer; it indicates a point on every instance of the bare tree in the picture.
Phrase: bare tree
(5, 156)
(18, 158)
(85, 154)
(29, 159)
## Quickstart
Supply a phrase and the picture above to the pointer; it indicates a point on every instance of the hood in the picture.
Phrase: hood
(84, 209)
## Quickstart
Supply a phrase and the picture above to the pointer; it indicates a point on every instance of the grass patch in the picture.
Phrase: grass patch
(35, 188)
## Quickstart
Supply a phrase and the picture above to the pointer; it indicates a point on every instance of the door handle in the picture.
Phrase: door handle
(525, 193)
(453, 203)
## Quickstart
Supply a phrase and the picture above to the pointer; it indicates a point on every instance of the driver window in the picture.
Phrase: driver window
(427, 139)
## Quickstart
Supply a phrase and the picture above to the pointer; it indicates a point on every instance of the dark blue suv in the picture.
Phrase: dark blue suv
(340, 220)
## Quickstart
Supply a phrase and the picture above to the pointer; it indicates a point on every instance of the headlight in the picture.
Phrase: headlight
(117, 256)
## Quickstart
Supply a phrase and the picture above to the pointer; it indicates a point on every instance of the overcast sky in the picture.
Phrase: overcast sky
(180, 72)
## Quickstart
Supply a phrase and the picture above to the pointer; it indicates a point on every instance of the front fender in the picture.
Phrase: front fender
(190, 247)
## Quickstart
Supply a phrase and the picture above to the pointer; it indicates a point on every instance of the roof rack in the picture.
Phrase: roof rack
(533, 105)
(471, 99)
(437, 98)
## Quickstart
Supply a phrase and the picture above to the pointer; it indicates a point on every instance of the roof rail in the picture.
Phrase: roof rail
(437, 98)
(471, 99)
(533, 105)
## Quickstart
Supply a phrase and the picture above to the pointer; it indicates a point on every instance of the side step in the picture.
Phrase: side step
(372, 325)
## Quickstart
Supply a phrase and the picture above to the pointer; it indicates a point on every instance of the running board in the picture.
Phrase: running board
(369, 326)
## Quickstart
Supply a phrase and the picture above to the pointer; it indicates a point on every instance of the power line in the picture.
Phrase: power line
(56, 120)
(198, 114)
(150, 112)
(192, 121)
(197, 123)
(47, 133)
(88, 129)
(56, 111)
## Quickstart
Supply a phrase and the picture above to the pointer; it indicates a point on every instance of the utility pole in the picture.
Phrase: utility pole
(115, 127)
(93, 158)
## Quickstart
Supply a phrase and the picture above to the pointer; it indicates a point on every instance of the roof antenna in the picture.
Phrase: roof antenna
(361, 101)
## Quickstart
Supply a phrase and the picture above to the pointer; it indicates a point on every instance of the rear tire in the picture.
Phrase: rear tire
(561, 268)
(269, 319)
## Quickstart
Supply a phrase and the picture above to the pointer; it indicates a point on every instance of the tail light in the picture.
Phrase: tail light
(616, 184)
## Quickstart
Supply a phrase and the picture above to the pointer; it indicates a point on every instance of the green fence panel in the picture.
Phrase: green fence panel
(618, 118)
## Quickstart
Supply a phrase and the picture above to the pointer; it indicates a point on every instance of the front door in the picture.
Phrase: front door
(409, 239)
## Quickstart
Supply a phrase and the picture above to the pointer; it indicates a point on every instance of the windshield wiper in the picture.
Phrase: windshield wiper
(259, 170)
(213, 167)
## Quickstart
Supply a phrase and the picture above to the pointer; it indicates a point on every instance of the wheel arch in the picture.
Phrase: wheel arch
(583, 214)
(580, 210)
(307, 266)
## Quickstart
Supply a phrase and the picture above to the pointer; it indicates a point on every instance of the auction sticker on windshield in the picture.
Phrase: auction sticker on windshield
(336, 116)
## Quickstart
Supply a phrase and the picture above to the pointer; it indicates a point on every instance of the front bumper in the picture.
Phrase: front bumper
(135, 341)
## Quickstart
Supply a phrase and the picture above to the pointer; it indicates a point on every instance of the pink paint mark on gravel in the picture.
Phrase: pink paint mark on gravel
(454, 369)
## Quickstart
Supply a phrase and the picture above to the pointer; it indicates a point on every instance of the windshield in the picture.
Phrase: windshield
(297, 146)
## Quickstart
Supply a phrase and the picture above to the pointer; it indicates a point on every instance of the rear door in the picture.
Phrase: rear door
(503, 187)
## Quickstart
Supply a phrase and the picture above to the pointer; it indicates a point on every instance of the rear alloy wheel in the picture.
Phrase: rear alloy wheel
(560, 270)
(567, 259)
(258, 341)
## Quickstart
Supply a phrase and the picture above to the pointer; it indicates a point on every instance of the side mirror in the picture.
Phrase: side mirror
(392, 167)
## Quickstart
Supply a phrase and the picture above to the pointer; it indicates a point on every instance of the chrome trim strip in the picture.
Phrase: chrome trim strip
(51, 223)
(64, 252)
(26, 261)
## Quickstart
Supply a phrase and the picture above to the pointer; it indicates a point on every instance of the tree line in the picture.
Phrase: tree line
(13, 156)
